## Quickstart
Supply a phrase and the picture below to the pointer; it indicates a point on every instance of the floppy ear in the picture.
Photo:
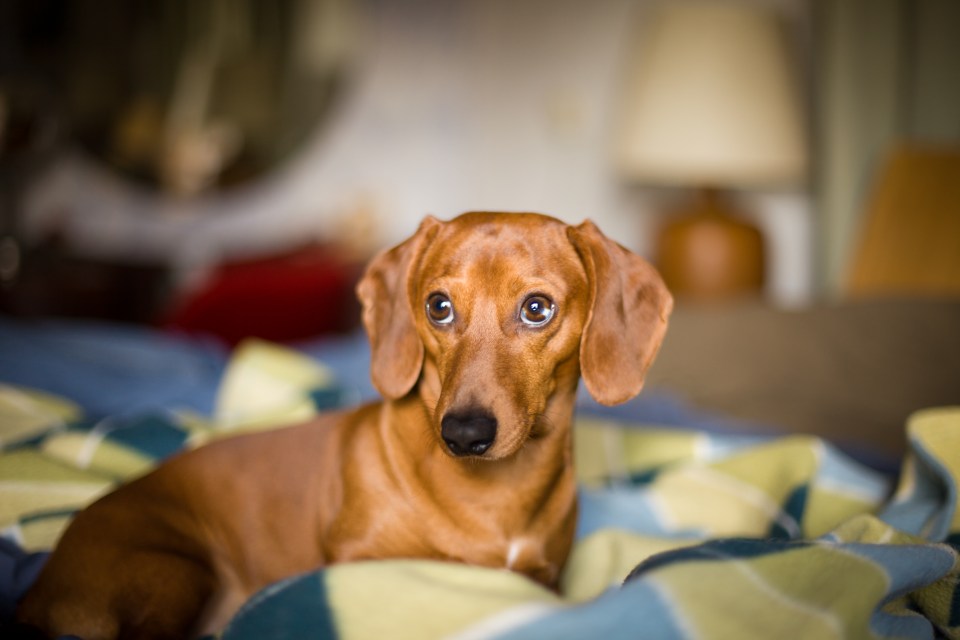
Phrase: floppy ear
(629, 307)
(396, 350)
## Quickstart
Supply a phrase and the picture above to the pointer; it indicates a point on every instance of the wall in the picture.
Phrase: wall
(887, 73)
(478, 104)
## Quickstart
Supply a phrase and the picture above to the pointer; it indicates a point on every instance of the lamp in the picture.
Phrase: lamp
(712, 105)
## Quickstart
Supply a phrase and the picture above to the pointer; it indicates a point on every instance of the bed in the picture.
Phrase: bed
(785, 474)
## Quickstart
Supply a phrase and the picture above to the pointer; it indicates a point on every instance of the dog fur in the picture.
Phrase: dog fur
(468, 458)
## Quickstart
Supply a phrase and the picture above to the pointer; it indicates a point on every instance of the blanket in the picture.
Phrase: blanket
(681, 533)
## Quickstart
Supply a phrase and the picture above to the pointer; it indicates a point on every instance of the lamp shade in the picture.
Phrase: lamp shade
(711, 100)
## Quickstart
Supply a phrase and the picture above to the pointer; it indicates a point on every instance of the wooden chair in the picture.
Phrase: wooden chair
(910, 239)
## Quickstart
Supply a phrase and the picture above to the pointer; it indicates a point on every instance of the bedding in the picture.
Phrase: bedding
(682, 532)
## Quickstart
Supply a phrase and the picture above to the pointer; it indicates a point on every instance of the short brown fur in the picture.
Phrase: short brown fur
(180, 549)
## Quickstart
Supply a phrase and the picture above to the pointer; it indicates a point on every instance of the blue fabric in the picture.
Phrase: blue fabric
(111, 369)
(269, 614)
(18, 570)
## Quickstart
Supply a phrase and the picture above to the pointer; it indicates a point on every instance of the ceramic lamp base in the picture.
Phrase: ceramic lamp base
(708, 252)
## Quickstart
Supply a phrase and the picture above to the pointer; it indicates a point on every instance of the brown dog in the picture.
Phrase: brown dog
(480, 328)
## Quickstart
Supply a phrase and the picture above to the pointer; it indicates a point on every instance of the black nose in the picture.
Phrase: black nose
(468, 433)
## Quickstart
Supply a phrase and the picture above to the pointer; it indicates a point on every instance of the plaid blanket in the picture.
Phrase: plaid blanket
(681, 533)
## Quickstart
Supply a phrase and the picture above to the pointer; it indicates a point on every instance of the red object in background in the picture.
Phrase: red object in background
(295, 296)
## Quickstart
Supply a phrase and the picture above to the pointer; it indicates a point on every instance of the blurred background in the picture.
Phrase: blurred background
(227, 167)
(166, 138)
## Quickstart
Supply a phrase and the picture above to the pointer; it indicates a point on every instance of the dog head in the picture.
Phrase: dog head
(490, 317)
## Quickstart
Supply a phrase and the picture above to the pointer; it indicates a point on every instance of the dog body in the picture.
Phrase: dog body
(480, 329)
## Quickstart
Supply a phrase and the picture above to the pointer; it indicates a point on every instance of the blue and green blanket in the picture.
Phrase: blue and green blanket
(682, 534)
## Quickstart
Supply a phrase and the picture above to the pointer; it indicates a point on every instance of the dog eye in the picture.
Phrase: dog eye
(439, 309)
(537, 311)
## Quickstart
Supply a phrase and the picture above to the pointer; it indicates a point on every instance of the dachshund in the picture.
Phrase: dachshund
(480, 329)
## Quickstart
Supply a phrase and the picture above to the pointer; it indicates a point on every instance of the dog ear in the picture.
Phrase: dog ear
(396, 350)
(629, 307)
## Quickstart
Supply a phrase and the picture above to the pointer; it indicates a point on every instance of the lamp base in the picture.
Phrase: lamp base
(708, 252)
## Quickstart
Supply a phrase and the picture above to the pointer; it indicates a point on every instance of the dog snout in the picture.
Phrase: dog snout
(468, 433)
